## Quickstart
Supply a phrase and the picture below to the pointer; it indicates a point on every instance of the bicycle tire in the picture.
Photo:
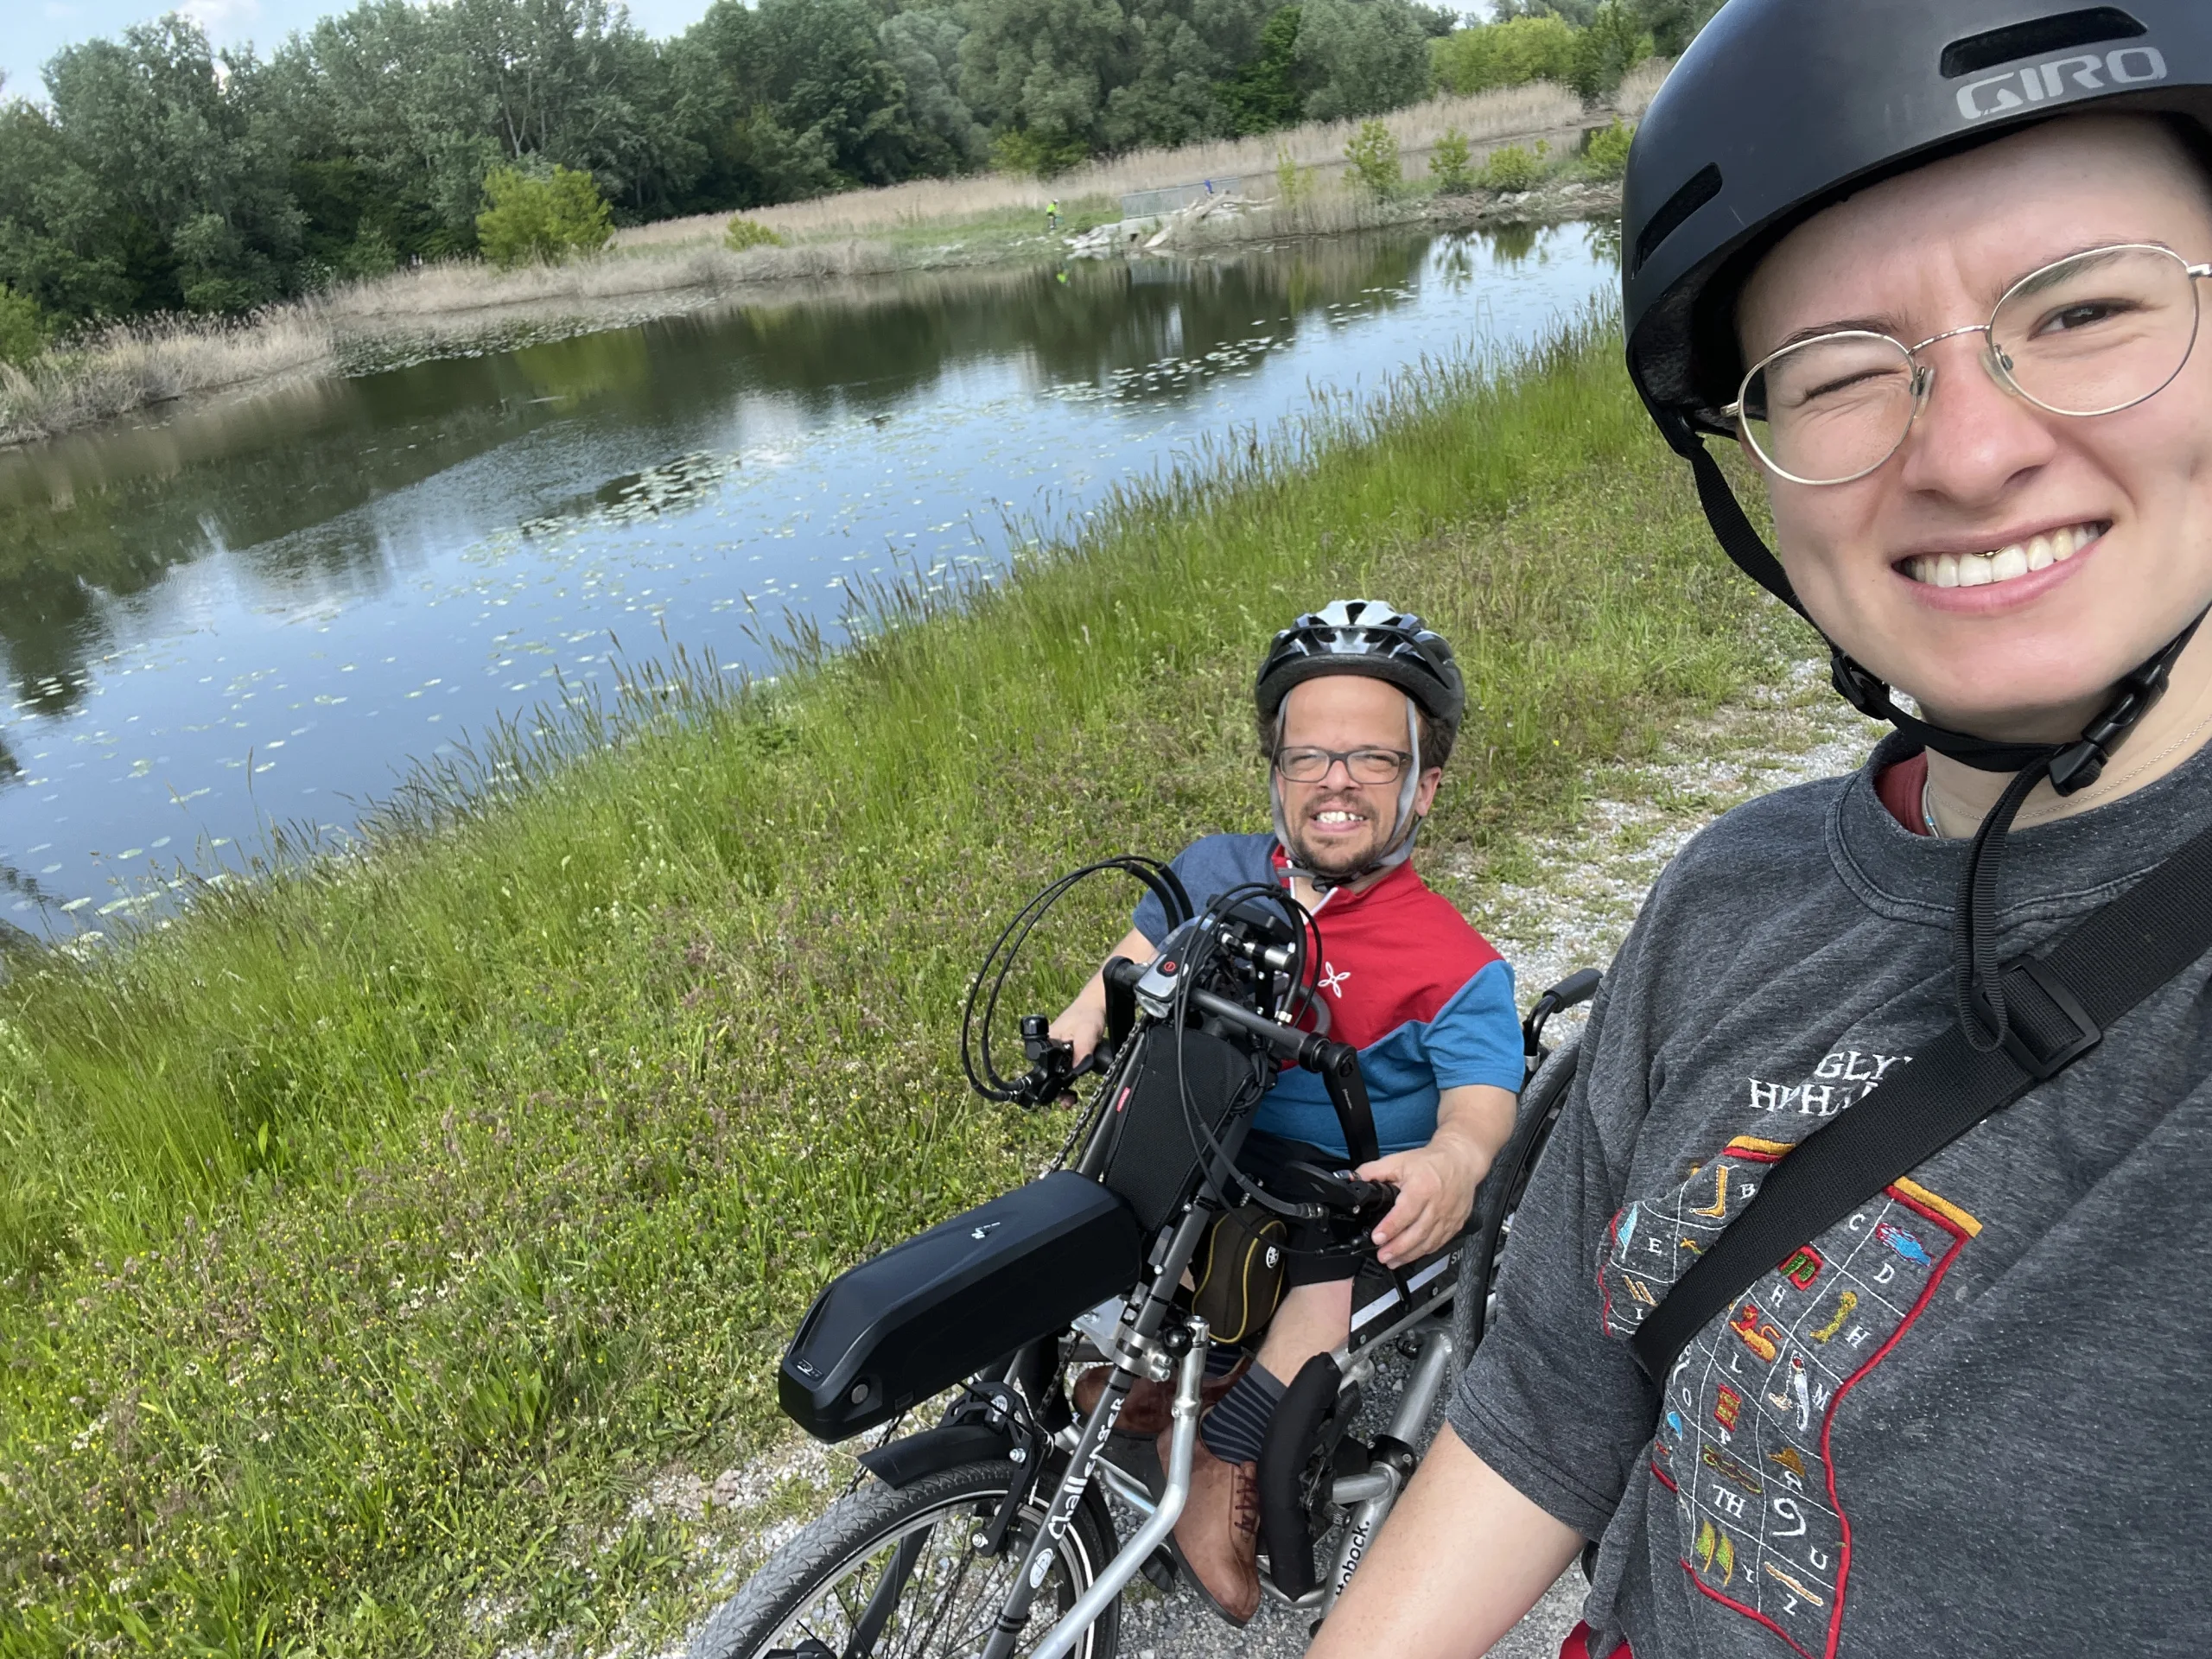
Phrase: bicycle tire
(772, 1610)
(1542, 1101)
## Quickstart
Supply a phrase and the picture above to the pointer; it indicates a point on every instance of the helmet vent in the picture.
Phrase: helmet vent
(2038, 37)
(1704, 185)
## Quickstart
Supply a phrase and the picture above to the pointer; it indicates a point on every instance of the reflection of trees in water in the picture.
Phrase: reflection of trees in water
(1603, 238)
(1512, 243)
(277, 476)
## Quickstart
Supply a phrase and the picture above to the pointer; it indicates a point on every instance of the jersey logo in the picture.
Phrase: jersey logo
(1332, 980)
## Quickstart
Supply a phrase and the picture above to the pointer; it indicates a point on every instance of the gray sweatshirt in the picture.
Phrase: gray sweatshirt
(1975, 1417)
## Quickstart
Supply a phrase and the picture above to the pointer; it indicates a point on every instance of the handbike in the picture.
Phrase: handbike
(989, 1534)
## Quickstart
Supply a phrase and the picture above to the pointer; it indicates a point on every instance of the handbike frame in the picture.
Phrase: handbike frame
(1021, 1409)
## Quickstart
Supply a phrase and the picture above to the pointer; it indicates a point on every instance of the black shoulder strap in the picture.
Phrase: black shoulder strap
(2058, 1005)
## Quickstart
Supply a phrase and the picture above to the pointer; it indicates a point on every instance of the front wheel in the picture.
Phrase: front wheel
(892, 1573)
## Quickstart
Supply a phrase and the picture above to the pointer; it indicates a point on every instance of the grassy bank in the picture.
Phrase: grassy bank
(373, 1237)
(680, 265)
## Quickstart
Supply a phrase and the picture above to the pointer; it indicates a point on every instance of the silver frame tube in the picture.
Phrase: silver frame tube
(1418, 1399)
(1125, 1566)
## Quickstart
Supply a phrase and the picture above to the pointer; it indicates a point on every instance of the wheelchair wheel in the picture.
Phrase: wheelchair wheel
(1478, 1266)
(891, 1572)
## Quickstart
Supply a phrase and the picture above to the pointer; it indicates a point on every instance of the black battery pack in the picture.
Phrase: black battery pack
(906, 1324)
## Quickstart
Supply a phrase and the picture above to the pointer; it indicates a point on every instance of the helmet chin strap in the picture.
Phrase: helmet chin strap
(1401, 839)
(2069, 767)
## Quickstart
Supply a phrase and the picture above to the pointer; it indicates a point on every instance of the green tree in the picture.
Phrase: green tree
(1271, 89)
(154, 180)
(1513, 168)
(741, 233)
(1605, 156)
(924, 47)
(1673, 24)
(1368, 56)
(540, 218)
(1057, 79)
(826, 75)
(1509, 53)
(1448, 164)
(1373, 153)
(1042, 69)
(23, 326)
(1614, 43)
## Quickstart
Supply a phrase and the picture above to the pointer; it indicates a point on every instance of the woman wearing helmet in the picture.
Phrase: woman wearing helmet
(1938, 268)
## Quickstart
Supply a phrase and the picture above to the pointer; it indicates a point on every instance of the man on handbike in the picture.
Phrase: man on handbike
(1357, 708)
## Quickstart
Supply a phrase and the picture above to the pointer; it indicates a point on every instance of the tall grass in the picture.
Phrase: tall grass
(1505, 111)
(1640, 85)
(130, 366)
(374, 1234)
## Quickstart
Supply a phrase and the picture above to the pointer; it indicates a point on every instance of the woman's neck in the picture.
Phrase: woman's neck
(2178, 725)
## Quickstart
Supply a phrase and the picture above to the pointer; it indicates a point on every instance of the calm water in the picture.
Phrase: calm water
(268, 611)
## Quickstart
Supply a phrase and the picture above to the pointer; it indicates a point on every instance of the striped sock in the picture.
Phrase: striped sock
(1221, 1360)
(1235, 1430)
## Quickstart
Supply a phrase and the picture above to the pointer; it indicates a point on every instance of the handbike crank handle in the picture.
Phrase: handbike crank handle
(1115, 1576)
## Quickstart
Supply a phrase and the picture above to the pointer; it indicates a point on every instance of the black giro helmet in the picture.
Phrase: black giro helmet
(1364, 636)
(1783, 107)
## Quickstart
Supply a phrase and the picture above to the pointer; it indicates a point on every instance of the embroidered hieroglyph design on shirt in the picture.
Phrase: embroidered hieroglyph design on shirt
(1743, 1433)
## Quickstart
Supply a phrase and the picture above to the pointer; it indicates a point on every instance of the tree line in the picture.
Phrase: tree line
(159, 175)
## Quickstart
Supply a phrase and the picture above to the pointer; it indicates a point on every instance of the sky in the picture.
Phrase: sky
(36, 29)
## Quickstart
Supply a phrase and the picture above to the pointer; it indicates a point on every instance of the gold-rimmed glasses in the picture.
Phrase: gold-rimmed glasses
(2092, 333)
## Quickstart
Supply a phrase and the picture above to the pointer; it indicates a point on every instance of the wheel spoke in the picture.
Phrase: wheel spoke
(919, 1590)
(885, 1601)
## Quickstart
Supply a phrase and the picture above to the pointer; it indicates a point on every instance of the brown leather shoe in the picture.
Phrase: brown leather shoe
(1217, 1539)
(1145, 1413)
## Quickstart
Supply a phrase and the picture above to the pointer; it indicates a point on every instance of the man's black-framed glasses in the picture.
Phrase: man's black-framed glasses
(2092, 333)
(1310, 765)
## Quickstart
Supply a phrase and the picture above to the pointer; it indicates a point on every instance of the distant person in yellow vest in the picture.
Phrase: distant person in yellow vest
(1052, 216)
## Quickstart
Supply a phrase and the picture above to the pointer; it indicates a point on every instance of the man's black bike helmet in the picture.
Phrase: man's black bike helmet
(1781, 108)
(1365, 636)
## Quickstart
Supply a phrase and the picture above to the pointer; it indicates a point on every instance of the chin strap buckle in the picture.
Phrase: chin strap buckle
(1868, 695)
(2082, 762)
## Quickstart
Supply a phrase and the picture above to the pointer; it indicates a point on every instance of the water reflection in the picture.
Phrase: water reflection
(348, 570)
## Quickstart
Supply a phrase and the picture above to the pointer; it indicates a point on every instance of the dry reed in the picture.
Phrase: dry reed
(132, 365)
(457, 288)
(1640, 85)
(1505, 112)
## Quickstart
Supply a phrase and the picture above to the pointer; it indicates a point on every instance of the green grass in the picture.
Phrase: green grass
(370, 1237)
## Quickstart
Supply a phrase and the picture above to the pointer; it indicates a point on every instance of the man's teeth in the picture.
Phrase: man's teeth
(1978, 569)
(1335, 816)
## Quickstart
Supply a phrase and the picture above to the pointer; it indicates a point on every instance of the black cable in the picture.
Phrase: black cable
(1159, 879)
(1205, 949)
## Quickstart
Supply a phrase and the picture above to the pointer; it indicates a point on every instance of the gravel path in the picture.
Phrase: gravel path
(1573, 913)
